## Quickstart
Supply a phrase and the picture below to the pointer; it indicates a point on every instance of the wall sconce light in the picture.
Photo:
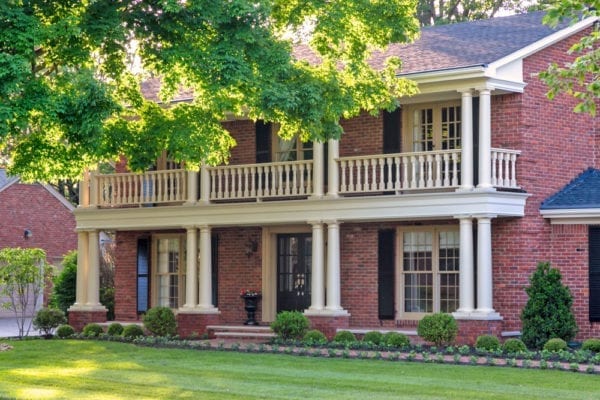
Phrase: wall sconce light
(251, 247)
(27, 234)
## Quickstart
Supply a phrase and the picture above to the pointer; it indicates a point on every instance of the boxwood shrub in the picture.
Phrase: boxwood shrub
(65, 331)
(591, 345)
(555, 344)
(290, 325)
(160, 321)
(396, 339)
(487, 342)
(514, 345)
(374, 337)
(344, 337)
(314, 336)
(92, 330)
(132, 331)
(439, 328)
(115, 329)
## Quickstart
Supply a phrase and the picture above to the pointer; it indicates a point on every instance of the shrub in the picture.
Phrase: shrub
(290, 325)
(439, 328)
(160, 321)
(374, 337)
(547, 313)
(396, 339)
(132, 331)
(555, 345)
(65, 331)
(47, 319)
(514, 345)
(92, 330)
(591, 345)
(314, 336)
(487, 342)
(115, 329)
(63, 291)
(344, 337)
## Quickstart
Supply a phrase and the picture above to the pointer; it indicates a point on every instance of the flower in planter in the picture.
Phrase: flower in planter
(249, 292)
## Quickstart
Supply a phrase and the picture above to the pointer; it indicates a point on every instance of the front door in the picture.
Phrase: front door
(294, 258)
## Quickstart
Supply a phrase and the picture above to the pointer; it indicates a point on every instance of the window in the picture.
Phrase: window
(429, 266)
(434, 127)
(169, 289)
(292, 150)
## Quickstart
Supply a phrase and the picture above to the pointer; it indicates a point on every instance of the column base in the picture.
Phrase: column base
(329, 323)
(477, 315)
(80, 316)
(192, 324)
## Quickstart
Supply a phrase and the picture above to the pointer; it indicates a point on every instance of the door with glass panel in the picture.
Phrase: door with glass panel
(294, 257)
(169, 287)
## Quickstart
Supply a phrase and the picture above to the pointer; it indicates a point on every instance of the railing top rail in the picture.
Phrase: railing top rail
(415, 153)
(159, 172)
(282, 163)
(508, 151)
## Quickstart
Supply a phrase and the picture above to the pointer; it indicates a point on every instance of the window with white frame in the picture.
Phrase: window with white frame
(434, 126)
(429, 268)
(292, 150)
(169, 271)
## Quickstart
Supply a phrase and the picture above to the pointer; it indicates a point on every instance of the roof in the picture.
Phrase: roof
(581, 192)
(6, 180)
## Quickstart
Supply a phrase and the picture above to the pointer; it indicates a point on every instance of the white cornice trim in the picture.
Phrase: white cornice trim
(573, 216)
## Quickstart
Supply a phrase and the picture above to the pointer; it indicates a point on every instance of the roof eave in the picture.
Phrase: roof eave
(579, 216)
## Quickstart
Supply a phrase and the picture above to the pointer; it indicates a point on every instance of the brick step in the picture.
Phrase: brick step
(239, 328)
(252, 333)
(241, 335)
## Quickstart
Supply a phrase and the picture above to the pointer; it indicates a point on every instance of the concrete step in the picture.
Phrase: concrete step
(252, 333)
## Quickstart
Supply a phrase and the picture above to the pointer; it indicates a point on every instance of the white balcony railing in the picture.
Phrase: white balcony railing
(504, 168)
(255, 181)
(399, 172)
(111, 190)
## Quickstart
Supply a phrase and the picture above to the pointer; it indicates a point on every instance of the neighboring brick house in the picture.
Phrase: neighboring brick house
(432, 207)
(35, 215)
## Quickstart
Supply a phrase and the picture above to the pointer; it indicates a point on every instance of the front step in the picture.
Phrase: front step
(242, 332)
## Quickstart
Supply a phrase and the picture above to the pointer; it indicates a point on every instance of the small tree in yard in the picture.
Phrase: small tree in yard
(63, 293)
(547, 313)
(23, 274)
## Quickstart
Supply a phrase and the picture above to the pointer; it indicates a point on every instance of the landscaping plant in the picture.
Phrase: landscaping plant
(396, 339)
(132, 331)
(439, 328)
(63, 291)
(47, 319)
(374, 337)
(555, 345)
(115, 329)
(65, 331)
(591, 345)
(314, 336)
(547, 313)
(290, 325)
(344, 337)
(487, 342)
(513, 345)
(160, 321)
(92, 330)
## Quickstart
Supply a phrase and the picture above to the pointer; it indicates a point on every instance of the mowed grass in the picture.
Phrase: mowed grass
(57, 369)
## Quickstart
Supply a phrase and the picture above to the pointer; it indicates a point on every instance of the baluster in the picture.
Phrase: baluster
(405, 168)
(287, 180)
(396, 183)
(513, 170)
(280, 180)
(309, 179)
(494, 160)
(270, 180)
(429, 169)
(438, 170)
(502, 174)
(246, 173)
(421, 159)
(352, 170)
(414, 183)
(343, 168)
(506, 174)
(455, 174)
(250, 179)
(260, 189)
(294, 168)
(213, 184)
(375, 180)
(446, 169)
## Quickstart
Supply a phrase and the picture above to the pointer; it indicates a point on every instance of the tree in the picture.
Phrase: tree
(547, 313)
(23, 274)
(65, 283)
(581, 77)
(70, 96)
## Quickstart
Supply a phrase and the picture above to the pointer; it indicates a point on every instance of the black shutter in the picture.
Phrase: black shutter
(475, 140)
(215, 269)
(386, 273)
(594, 243)
(143, 274)
(391, 131)
(263, 141)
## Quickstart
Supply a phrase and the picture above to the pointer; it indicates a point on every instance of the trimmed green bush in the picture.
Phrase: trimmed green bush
(115, 329)
(63, 289)
(344, 337)
(396, 339)
(547, 313)
(514, 345)
(591, 345)
(92, 330)
(555, 344)
(47, 319)
(132, 331)
(290, 325)
(439, 328)
(65, 331)
(487, 342)
(160, 321)
(374, 337)
(314, 336)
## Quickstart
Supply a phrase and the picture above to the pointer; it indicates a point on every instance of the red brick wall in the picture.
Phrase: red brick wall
(363, 135)
(32, 207)
(244, 133)
(126, 275)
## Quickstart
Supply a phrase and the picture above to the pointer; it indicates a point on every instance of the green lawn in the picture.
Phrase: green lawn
(56, 369)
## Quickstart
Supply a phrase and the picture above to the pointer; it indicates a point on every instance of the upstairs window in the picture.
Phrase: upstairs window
(434, 127)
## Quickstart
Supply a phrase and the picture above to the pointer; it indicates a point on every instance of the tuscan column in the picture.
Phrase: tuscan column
(318, 169)
(333, 181)
(82, 269)
(318, 269)
(485, 139)
(93, 277)
(192, 188)
(466, 273)
(485, 292)
(466, 137)
(333, 269)
(191, 272)
(205, 271)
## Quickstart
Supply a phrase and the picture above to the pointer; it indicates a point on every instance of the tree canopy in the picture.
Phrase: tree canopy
(70, 95)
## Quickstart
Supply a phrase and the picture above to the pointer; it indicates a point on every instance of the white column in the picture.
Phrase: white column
(485, 288)
(205, 271)
(466, 273)
(204, 184)
(318, 269)
(93, 278)
(82, 270)
(333, 269)
(191, 272)
(192, 188)
(485, 139)
(318, 168)
(466, 137)
(333, 179)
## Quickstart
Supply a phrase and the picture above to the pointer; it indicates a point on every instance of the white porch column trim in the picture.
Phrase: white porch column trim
(333, 270)
(93, 277)
(466, 273)
(205, 285)
(204, 184)
(466, 159)
(485, 139)
(485, 293)
(318, 169)
(318, 270)
(333, 179)
(191, 265)
(82, 270)
(192, 188)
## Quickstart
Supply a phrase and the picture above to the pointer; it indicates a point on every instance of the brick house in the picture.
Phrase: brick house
(432, 207)
(35, 215)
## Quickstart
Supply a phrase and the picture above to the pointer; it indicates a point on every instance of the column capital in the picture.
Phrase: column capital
(315, 222)
(465, 92)
(332, 222)
(484, 216)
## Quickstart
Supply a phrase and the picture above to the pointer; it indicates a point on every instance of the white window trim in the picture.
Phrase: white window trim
(301, 146)
(182, 268)
(408, 121)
